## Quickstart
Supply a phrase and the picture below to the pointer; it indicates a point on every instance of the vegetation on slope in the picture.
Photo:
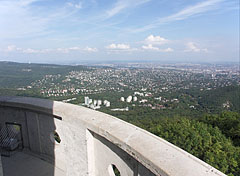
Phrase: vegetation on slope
(203, 141)
(212, 138)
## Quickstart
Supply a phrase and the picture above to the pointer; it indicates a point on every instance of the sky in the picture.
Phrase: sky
(75, 31)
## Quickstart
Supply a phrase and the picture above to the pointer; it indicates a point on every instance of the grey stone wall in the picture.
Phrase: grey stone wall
(92, 142)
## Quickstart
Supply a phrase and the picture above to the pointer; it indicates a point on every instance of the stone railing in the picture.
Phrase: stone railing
(81, 141)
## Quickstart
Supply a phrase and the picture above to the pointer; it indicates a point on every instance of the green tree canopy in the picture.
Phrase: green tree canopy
(203, 141)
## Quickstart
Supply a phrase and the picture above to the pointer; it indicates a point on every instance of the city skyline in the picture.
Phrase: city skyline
(42, 31)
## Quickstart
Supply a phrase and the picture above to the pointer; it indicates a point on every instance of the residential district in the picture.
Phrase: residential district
(142, 85)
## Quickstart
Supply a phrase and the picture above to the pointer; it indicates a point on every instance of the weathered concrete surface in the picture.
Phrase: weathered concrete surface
(28, 165)
(107, 154)
(92, 140)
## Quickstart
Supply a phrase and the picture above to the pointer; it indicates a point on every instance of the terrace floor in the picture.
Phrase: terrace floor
(25, 164)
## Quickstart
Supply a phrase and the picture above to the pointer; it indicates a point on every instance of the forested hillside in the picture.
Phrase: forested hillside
(215, 99)
(14, 75)
(212, 138)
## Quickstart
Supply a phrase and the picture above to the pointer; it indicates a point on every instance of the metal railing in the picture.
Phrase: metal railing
(10, 139)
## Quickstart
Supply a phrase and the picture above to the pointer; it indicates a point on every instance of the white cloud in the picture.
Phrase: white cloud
(199, 8)
(190, 11)
(88, 49)
(151, 39)
(46, 51)
(26, 2)
(167, 50)
(118, 47)
(13, 48)
(115, 10)
(75, 48)
(155, 40)
(30, 51)
(17, 19)
(120, 5)
(24, 18)
(151, 47)
(67, 50)
(192, 47)
(63, 50)
(76, 5)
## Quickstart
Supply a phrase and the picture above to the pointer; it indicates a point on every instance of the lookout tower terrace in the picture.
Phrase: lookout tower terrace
(42, 137)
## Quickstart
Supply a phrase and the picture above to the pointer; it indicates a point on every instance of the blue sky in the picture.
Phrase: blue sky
(73, 31)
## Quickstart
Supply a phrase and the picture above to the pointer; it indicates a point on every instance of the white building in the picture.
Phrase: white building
(120, 109)
(90, 101)
(143, 101)
(134, 98)
(158, 98)
(64, 91)
(122, 99)
(99, 102)
(86, 100)
(95, 102)
(105, 102)
(129, 99)
(138, 93)
(108, 104)
(148, 94)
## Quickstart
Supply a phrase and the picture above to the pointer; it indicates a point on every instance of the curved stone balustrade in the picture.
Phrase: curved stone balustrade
(92, 142)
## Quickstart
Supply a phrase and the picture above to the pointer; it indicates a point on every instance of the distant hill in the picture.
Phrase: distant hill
(14, 74)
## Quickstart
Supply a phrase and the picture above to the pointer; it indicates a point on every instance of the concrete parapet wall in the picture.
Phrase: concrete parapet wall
(91, 141)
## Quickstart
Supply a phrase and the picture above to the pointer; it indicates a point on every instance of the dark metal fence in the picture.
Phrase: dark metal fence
(10, 139)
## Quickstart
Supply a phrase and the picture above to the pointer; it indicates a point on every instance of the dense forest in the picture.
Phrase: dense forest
(214, 139)
(212, 100)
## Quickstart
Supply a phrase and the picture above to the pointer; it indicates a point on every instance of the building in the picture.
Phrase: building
(158, 98)
(122, 99)
(143, 101)
(134, 98)
(86, 100)
(120, 109)
(90, 101)
(129, 99)
(60, 139)
(99, 102)
(138, 93)
(107, 104)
